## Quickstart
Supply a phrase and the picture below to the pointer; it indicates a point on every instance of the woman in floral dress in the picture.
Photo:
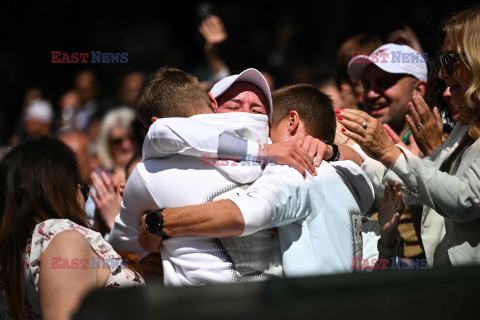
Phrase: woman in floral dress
(49, 257)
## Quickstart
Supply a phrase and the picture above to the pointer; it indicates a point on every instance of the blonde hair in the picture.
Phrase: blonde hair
(122, 117)
(464, 30)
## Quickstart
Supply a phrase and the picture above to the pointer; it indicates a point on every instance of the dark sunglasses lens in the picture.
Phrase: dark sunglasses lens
(446, 62)
(117, 142)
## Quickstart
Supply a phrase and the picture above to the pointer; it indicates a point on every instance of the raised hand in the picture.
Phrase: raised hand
(107, 198)
(213, 30)
(413, 147)
(369, 134)
(389, 213)
(427, 128)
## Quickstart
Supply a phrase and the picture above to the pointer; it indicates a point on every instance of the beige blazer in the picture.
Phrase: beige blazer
(451, 215)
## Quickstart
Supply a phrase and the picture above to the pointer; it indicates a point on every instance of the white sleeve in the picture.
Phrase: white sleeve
(190, 137)
(137, 200)
(277, 198)
(185, 136)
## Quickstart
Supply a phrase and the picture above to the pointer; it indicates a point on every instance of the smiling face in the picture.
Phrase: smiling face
(242, 97)
(122, 145)
(386, 95)
(453, 108)
(460, 78)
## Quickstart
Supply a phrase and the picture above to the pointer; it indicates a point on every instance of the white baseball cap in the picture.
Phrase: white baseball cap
(391, 58)
(250, 75)
(39, 110)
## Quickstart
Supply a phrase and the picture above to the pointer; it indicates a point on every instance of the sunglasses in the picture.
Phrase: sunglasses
(85, 190)
(119, 141)
(448, 59)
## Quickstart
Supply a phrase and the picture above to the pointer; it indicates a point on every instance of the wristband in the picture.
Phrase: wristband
(336, 153)
(262, 154)
(268, 155)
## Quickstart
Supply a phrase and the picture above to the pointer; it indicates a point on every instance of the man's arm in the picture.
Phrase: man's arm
(217, 219)
(277, 198)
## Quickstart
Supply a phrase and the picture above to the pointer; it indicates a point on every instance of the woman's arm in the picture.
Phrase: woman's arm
(454, 197)
(65, 275)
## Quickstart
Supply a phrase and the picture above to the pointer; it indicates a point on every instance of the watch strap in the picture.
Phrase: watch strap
(389, 252)
(336, 153)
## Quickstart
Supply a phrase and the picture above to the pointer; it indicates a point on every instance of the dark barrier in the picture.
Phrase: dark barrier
(392, 294)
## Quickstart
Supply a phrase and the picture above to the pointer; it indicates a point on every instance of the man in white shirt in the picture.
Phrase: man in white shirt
(319, 218)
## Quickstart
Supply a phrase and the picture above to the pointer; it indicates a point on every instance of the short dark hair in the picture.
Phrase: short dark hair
(313, 106)
(170, 92)
(360, 44)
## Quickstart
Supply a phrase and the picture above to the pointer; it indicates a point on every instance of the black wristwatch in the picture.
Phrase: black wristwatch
(336, 153)
(154, 223)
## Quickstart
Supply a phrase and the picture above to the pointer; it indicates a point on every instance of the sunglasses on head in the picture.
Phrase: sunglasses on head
(85, 190)
(448, 59)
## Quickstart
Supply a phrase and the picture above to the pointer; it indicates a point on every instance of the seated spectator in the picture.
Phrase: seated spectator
(38, 119)
(50, 258)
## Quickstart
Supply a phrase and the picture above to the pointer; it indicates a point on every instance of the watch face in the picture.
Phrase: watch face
(152, 221)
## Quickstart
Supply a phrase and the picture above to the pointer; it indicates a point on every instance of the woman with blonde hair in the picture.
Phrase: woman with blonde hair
(447, 182)
(116, 144)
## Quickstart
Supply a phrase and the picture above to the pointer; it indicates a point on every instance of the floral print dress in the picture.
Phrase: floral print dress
(120, 276)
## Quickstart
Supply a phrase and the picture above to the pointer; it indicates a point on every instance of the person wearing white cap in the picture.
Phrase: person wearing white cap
(391, 76)
(38, 118)
(228, 90)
